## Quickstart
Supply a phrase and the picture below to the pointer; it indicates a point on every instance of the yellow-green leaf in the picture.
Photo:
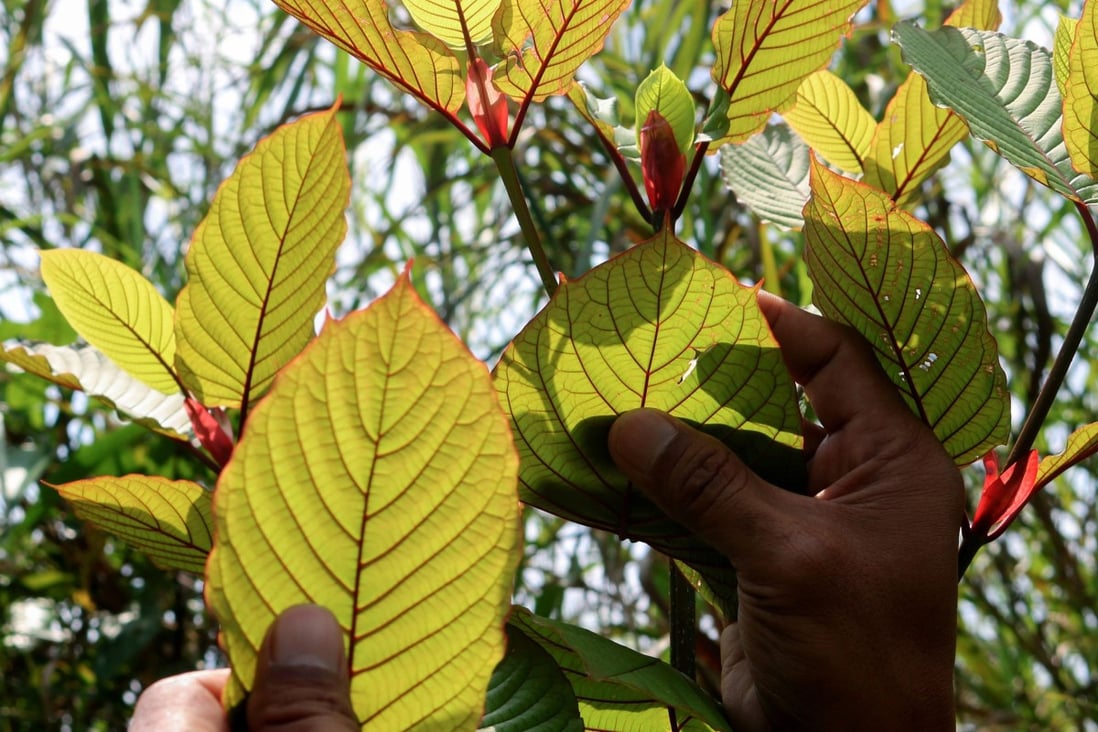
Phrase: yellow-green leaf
(377, 479)
(766, 47)
(170, 520)
(914, 137)
(663, 92)
(1061, 50)
(116, 310)
(454, 21)
(1081, 98)
(1081, 444)
(259, 261)
(544, 43)
(828, 116)
(888, 275)
(418, 63)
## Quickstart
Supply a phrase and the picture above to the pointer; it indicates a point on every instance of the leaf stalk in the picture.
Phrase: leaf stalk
(505, 163)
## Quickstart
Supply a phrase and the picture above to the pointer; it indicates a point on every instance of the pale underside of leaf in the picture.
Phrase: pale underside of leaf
(766, 47)
(454, 21)
(85, 369)
(1081, 97)
(377, 479)
(117, 310)
(259, 261)
(170, 520)
(1004, 89)
(661, 327)
(769, 174)
(544, 42)
(828, 116)
(416, 62)
(1081, 444)
(886, 274)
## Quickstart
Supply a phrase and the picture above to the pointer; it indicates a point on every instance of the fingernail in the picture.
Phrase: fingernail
(640, 437)
(307, 635)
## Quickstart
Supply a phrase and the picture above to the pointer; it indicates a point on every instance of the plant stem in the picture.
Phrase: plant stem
(688, 181)
(505, 164)
(683, 622)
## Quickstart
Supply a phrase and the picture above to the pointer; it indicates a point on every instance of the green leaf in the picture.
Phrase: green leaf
(619, 689)
(377, 479)
(914, 137)
(259, 261)
(1081, 444)
(828, 116)
(1081, 94)
(528, 692)
(86, 369)
(766, 47)
(454, 21)
(1004, 88)
(888, 275)
(769, 174)
(545, 43)
(1061, 51)
(659, 326)
(663, 92)
(116, 310)
(170, 520)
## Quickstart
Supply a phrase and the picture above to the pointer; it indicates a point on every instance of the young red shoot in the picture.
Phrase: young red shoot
(662, 163)
(1003, 497)
(487, 104)
(212, 428)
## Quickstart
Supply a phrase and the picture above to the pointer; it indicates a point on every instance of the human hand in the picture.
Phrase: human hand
(847, 597)
(301, 685)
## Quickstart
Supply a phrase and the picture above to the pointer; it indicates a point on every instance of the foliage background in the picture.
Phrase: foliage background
(119, 118)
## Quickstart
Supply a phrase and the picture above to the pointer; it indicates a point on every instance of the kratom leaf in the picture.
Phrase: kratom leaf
(619, 689)
(663, 92)
(1004, 89)
(528, 692)
(828, 116)
(602, 114)
(377, 479)
(888, 275)
(1081, 95)
(914, 137)
(544, 42)
(418, 63)
(766, 47)
(170, 520)
(116, 310)
(658, 326)
(1061, 50)
(259, 261)
(454, 21)
(769, 174)
(1081, 444)
(86, 369)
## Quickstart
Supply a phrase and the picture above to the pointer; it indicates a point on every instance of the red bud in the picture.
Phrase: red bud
(1003, 496)
(490, 114)
(212, 428)
(662, 163)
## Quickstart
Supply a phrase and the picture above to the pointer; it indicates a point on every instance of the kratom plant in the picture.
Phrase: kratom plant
(377, 468)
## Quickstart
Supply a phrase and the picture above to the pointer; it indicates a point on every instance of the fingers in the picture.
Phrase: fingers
(301, 682)
(834, 364)
(198, 693)
(699, 483)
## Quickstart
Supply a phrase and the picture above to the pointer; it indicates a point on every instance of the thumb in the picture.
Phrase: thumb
(301, 682)
(698, 482)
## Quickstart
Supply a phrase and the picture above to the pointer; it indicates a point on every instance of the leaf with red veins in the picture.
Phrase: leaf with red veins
(1003, 496)
(212, 429)
(662, 163)
(486, 103)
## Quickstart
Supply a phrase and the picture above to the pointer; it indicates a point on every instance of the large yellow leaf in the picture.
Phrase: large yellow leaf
(914, 137)
(116, 310)
(766, 47)
(545, 41)
(170, 520)
(1081, 99)
(378, 478)
(259, 261)
(416, 62)
(454, 21)
(828, 116)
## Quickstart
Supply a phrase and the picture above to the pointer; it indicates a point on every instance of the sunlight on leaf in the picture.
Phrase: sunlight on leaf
(116, 310)
(377, 479)
(765, 48)
(619, 689)
(769, 174)
(659, 326)
(170, 520)
(828, 116)
(1061, 51)
(1081, 97)
(663, 92)
(259, 261)
(545, 42)
(888, 275)
(454, 21)
(1004, 88)
(1081, 444)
